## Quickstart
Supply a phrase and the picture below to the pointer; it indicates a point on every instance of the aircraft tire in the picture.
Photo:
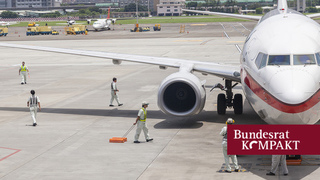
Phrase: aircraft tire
(221, 105)
(237, 104)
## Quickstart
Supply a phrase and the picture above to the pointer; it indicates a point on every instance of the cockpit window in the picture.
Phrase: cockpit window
(318, 58)
(303, 59)
(279, 60)
(261, 60)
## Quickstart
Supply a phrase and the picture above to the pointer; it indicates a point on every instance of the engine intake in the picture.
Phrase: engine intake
(181, 94)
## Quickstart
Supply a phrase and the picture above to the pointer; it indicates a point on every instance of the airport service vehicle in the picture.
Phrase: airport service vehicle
(279, 71)
(31, 24)
(102, 24)
(39, 30)
(3, 31)
(54, 32)
(76, 29)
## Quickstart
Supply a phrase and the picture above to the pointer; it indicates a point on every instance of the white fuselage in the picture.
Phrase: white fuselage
(280, 71)
(102, 24)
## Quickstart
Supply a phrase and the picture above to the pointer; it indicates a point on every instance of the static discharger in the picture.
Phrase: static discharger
(121, 139)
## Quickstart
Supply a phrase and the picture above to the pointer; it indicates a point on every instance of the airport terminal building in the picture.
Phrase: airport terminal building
(170, 7)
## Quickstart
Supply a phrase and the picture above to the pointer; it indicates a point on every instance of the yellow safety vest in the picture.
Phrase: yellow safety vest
(23, 68)
(145, 115)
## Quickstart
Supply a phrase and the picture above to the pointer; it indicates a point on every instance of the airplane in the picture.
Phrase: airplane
(279, 71)
(102, 24)
(70, 22)
(4, 23)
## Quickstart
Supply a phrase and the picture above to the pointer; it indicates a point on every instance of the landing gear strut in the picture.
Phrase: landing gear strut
(227, 100)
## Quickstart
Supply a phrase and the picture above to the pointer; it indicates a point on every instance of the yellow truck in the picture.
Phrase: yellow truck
(43, 30)
(3, 31)
(79, 28)
(76, 29)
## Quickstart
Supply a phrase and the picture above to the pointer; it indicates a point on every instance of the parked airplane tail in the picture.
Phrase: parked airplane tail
(108, 13)
(282, 6)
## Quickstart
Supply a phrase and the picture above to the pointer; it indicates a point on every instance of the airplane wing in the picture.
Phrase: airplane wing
(256, 18)
(313, 15)
(223, 71)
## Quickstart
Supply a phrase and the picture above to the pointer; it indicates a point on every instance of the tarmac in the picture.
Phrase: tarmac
(71, 140)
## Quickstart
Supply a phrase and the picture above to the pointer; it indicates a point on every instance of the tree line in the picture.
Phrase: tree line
(91, 11)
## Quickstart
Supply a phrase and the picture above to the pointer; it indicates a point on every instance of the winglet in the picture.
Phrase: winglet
(108, 13)
(282, 6)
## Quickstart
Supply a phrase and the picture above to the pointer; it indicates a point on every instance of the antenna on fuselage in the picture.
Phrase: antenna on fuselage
(282, 6)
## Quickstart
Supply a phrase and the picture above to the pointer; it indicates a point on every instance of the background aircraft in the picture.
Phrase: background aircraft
(3, 23)
(279, 72)
(102, 24)
(70, 22)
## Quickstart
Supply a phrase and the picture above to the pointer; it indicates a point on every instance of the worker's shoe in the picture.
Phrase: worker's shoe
(136, 141)
(120, 104)
(286, 174)
(34, 124)
(271, 174)
(227, 171)
(236, 170)
(111, 105)
(149, 139)
(25, 82)
(22, 83)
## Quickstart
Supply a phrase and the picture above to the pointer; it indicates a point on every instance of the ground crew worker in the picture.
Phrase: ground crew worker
(114, 94)
(225, 148)
(23, 71)
(33, 102)
(141, 123)
(276, 160)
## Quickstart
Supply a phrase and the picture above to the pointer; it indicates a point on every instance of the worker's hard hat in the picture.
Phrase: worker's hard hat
(145, 103)
(230, 121)
(32, 92)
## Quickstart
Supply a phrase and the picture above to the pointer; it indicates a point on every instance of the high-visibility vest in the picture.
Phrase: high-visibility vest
(145, 115)
(23, 68)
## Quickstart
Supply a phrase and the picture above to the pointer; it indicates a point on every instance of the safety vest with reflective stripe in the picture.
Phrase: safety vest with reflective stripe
(145, 115)
(23, 68)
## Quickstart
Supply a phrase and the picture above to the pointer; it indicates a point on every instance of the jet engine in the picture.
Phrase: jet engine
(181, 94)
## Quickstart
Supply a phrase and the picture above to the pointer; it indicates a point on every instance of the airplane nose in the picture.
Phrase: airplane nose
(293, 87)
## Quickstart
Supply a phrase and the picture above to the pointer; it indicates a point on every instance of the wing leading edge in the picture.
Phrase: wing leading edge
(223, 71)
(241, 16)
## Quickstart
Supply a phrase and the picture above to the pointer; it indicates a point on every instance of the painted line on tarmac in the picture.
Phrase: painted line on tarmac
(16, 151)
(238, 48)
(245, 27)
(225, 33)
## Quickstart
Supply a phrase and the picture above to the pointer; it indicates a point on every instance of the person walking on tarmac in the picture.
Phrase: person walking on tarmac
(114, 94)
(23, 71)
(276, 160)
(141, 123)
(33, 102)
(225, 148)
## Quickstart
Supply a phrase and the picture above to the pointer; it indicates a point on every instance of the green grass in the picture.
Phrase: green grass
(153, 20)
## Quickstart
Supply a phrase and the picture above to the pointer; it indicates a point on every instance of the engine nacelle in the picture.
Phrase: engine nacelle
(181, 94)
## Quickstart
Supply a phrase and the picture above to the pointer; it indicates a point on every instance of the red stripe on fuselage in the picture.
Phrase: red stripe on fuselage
(276, 103)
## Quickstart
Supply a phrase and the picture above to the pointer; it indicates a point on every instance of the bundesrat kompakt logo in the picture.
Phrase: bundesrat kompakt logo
(263, 140)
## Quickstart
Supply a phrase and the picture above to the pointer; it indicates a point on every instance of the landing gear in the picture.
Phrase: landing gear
(221, 105)
(225, 100)
(237, 104)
